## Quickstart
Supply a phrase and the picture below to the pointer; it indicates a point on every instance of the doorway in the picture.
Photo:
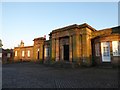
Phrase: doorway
(105, 50)
(66, 52)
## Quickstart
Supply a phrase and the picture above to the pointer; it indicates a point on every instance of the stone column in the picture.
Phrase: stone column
(62, 52)
(70, 48)
(86, 49)
(80, 47)
(45, 53)
(74, 48)
(77, 47)
(41, 52)
(53, 50)
(57, 49)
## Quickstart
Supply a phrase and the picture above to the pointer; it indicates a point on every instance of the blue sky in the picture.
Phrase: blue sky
(28, 20)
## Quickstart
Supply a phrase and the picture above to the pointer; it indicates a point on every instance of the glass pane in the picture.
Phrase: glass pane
(115, 47)
(15, 53)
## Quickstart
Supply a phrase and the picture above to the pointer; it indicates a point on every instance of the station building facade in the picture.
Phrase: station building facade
(81, 44)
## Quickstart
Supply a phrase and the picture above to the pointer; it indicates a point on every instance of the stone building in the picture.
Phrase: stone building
(7, 55)
(30, 53)
(106, 47)
(79, 44)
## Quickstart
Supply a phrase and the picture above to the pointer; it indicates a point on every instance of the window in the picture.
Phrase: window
(28, 53)
(97, 50)
(15, 53)
(116, 48)
(23, 54)
(105, 51)
(8, 55)
(46, 52)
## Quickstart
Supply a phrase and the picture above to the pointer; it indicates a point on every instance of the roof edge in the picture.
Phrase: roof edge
(73, 26)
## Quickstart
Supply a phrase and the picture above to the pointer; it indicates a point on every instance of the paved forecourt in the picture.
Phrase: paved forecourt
(31, 75)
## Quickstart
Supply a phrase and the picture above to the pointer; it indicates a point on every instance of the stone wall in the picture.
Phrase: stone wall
(79, 41)
(107, 38)
(38, 47)
(19, 56)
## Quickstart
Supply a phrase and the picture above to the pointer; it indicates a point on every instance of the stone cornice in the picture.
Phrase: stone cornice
(40, 38)
(72, 27)
(24, 47)
(65, 28)
(104, 35)
(86, 25)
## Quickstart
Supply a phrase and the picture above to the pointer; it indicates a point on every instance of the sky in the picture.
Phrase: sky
(28, 20)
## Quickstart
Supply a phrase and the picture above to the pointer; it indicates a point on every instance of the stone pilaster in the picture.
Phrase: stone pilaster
(86, 49)
(53, 49)
(74, 48)
(78, 48)
(70, 51)
(45, 52)
(57, 49)
(41, 52)
(62, 53)
(84, 46)
(80, 52)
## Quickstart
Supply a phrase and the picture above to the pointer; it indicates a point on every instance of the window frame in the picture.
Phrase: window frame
(8, 55)
(116, 48)
(23, 53)
(16, 52)
(28, 53)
